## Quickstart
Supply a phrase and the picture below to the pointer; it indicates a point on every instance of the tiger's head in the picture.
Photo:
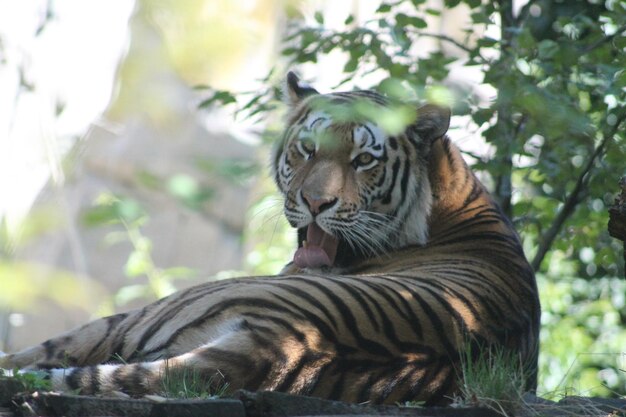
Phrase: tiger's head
(352, 189)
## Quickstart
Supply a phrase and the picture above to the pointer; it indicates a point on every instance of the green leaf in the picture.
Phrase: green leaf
(482, 116)
(620, 79)
(129, 293)
(111, 210)
(138, 264)
(433, 12)
(100, 215)
(219, 97)
(349, 20)
(384, 8)
(487, 42)
(526, 40)
(183, 186)
(319, 17)
(289, 51)
(403, 19)
(180, 272)
(481, 17)
(351, 65)
(547, 49)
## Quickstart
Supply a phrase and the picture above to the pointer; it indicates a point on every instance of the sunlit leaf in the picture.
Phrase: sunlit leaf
(319, 18)
(138, 264)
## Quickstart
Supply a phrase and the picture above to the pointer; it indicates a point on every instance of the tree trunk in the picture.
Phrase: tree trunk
(617, 217)
(505, 127)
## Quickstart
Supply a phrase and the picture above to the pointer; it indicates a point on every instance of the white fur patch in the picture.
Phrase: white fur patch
(317, 121)
(368, 138)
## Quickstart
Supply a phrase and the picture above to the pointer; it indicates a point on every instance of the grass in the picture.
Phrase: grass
(31, 380)
(186, 382)
(492, 377)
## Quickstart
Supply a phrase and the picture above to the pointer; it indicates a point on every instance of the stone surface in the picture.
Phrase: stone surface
(595, 406)
(573, 407)
(197, 408)
(8, 389)
(276, 404)
(54, 404)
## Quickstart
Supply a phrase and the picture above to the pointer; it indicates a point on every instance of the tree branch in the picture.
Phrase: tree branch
(602, 41)
(617, 217)
(520, 20)
(449, 40)
(573, 198)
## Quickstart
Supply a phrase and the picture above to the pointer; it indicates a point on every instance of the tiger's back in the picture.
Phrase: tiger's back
(402, 258)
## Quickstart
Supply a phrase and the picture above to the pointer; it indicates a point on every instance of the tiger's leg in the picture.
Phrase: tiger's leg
(89, 344)
(242, 356)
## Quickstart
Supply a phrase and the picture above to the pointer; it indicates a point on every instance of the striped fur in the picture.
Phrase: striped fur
(380, 327)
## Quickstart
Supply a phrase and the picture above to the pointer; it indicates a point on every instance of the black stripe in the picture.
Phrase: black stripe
(430, 313)
(112, 322)
(492, 306)
(291, 375)
(357, 294)
(394, 176)
(309, 298)
(408, 314)
(388, 327)
(136, 380)
(216, 310)
(94, 381)
(439, 396)
(349, 320)
(279, 321)
(243, 361)
(183, 302)
(49, 348)
(337, 387)
(462, 326)
(260, 374)
(327, 333)
(404, 182)
(73, 378)
(365, 392)
(117, 377)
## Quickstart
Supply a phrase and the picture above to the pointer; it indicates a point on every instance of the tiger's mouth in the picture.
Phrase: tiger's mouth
(317, 250)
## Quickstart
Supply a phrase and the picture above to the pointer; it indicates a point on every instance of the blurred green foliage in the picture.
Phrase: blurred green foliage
(109, 209)
(25, 284)
(583, 336)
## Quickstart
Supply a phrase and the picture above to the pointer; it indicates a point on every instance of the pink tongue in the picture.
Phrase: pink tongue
(319, 249)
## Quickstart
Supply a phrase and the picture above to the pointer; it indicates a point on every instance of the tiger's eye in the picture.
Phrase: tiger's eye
(363, 159)
(308, 145)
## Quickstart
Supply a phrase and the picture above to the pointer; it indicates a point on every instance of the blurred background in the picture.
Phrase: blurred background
(135, 138)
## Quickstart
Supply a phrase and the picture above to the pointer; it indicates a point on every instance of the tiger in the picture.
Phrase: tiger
(402, 257)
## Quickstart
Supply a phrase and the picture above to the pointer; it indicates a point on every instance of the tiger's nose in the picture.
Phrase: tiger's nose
(318, 204)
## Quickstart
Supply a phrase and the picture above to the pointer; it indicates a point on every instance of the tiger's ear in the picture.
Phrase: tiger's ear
(296, 90)
(432, 121)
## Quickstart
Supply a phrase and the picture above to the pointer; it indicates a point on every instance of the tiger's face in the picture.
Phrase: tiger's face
(351, 189)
